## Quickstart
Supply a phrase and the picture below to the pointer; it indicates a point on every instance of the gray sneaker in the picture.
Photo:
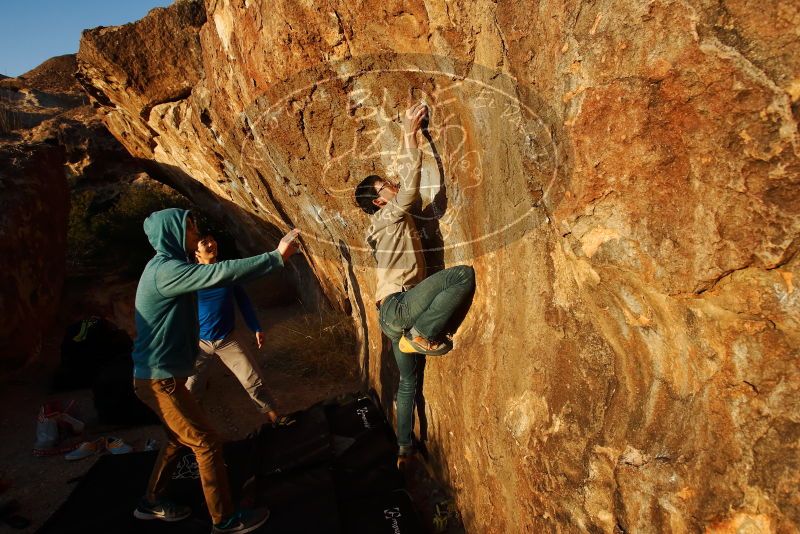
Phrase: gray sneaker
(163, 510)
(243, 521)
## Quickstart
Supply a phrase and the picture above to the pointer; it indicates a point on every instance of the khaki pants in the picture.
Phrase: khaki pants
(232, 351)
(186, 425)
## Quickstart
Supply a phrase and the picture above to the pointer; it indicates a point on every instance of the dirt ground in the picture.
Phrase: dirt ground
(298, 372)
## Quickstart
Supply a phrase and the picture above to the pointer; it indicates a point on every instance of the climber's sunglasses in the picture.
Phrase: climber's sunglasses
(385, 185)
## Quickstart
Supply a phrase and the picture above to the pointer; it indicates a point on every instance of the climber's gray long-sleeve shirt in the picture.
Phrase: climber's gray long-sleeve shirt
(393, 234)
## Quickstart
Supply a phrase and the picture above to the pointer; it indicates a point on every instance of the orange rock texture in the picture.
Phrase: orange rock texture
(624, 177)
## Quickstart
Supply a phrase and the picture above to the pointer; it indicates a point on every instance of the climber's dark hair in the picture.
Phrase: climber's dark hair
(365, 193)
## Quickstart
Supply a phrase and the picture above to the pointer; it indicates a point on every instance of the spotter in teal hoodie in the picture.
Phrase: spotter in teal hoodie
(166, 308)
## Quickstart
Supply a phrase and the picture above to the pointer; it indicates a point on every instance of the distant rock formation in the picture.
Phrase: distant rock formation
(38, 95)
(625, 178)
(52, 147)
(56, 76)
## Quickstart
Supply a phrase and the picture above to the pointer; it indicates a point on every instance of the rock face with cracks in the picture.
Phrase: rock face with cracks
(624, 177)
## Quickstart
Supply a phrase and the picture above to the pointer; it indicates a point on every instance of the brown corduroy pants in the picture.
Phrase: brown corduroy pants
(186, 425)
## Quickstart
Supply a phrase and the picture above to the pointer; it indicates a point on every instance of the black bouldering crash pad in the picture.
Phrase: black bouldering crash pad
(332, 471)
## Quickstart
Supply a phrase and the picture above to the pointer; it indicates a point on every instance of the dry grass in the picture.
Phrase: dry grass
(9, 119)
(312, 344)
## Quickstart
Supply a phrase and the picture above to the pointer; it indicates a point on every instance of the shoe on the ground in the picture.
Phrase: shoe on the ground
(163, 510)
(243, 521)
(117, 446)
(86, 449)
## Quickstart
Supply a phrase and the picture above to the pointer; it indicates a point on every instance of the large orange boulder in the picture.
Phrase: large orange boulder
(624, 177)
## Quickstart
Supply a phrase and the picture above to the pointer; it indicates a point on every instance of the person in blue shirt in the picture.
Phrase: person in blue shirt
(220, 337)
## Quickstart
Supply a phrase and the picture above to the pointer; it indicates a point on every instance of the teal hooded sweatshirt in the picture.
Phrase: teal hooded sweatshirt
(167, 330)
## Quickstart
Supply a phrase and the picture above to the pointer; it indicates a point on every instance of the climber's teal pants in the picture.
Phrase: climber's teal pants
(425, 309)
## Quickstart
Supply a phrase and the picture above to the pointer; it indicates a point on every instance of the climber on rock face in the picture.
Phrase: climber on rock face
(163, 358)
(413, 310)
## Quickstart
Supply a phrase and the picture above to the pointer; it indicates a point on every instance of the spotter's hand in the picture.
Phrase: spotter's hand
(289, 244)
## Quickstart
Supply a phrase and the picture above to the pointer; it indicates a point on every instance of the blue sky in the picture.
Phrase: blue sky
(32, 31)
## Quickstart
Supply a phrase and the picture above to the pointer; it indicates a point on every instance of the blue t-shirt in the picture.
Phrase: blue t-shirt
(216, 314)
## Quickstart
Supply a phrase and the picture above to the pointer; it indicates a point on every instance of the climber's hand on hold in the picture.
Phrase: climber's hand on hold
(412, 121)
